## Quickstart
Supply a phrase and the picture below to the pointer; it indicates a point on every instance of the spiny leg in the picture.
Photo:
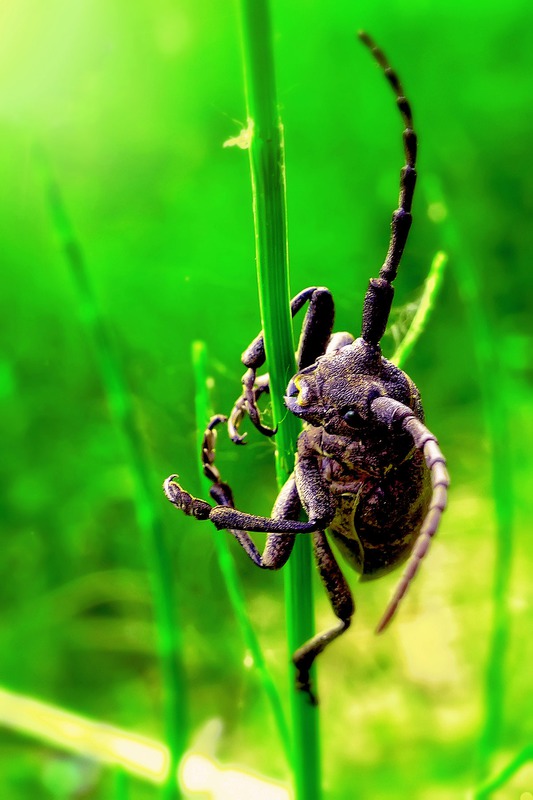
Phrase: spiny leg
(229, 518)
(378, 299)
(313, 341)
(279, 547)
(317, 498)
(240, 409)
(342, 603)
(288, 506)
(392, 412)
(316, 330)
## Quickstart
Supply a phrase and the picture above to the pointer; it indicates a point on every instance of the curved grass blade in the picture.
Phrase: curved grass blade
(158, 561)
(492, 381)
(432, 286)
(225, 559)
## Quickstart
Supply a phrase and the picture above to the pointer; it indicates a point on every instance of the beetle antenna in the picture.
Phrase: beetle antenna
(391, 412)
(378, 299)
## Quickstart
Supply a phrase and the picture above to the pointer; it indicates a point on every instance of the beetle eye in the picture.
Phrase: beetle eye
(353, 418)
(292, 389)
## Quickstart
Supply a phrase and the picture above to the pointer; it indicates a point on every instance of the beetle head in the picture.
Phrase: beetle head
(336, 391)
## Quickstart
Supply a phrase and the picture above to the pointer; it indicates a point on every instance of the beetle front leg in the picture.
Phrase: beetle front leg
(342, 603)
(225, 517)
(316, 331)
(278, 547)
(288, 506)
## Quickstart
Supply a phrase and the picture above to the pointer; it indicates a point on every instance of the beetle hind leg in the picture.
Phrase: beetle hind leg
(342, 603)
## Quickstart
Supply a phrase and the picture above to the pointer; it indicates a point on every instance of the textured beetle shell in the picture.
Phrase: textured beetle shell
(378, 481)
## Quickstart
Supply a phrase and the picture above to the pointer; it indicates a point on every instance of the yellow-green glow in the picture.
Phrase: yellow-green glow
(201, 774)
(137, 755)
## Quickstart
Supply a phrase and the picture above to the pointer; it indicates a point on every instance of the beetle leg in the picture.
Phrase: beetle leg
(261, 386)
(316, 331)
(254, 355)
(277, 548)
(250, 396)
(391, 411)
(342, 603)
(378, 299)
(316, 328)
(312, 488)
(208, 449)
(288, 506)
(226, 517)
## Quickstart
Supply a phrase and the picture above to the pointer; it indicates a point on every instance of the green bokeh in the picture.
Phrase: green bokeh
(132, 103)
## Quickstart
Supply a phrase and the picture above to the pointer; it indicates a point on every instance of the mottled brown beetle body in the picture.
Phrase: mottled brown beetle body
(381, 488)
(367, 469)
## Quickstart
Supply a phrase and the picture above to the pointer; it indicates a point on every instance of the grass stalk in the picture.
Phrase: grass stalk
(269, 205)
(427, 302)
(225, 559)
(122, 412)
(497, 423)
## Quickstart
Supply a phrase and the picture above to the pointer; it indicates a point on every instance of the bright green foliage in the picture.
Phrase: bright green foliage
(132, 103)
(167, 623)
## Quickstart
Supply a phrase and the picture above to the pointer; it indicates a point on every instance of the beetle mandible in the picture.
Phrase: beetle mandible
(367, 469)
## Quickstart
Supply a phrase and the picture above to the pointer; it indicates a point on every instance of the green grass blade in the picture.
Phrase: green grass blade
(225, 559)
(427, 302)
(138, 758)
(268, 187)
(497, 422)
(487, 789)
(158, 561)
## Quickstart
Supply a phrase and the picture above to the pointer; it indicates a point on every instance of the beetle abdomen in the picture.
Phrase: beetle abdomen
(376, 526)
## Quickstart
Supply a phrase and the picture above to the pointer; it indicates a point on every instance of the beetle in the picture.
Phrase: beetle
(368, 471)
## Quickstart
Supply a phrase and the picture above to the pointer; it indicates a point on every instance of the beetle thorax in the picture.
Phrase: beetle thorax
(336, 392)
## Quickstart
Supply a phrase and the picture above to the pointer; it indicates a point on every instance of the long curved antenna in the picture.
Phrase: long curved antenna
(378, 299)
(391, 412)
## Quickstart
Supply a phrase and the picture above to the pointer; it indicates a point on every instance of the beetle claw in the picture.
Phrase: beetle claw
(303, 684)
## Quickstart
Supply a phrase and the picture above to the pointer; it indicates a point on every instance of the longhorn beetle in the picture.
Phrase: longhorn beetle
(367, 469)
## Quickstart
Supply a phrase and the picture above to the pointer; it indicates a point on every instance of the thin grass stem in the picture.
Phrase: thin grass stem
(225, 559)
(158, 561)
(432, 285)
(497, 423)
(269, 205)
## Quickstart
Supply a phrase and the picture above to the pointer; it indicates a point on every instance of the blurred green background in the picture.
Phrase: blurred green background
(132, 103)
